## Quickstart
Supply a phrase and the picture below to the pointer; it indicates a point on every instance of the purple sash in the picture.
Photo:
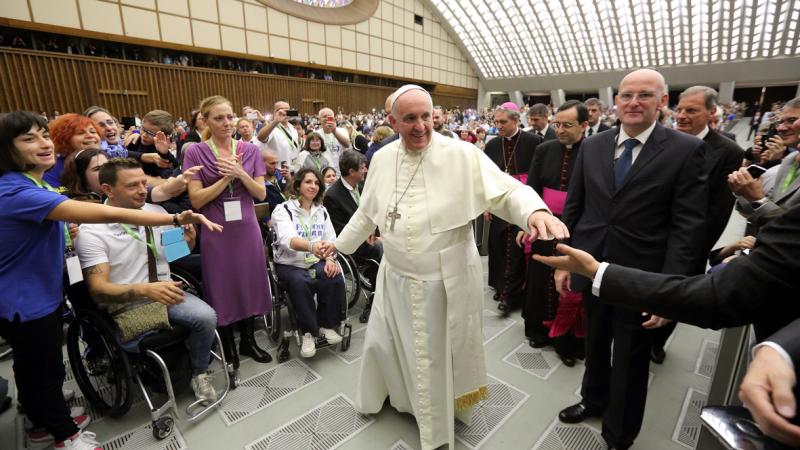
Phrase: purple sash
(554, 200)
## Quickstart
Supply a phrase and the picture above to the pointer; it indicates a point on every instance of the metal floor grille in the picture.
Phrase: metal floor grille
(707, 359)
(401, 445)
(325, 427)
(490, 414)
(562, 436)
(356, 349)
(688, 427)
(539, 362)
(141, 438)
(494, 324)
(266, 388)
(650, 376)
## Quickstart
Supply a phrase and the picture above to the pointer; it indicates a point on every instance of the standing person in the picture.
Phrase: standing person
(280, 135)
(244, 127)
(233, 262)
(512, 152)
(335, 138)
(549, 175)
(32, 255)
(424, 344)
(315, 154)
(71, 133)
(637, 196)
(595, 108)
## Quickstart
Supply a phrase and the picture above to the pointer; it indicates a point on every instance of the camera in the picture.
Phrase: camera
(292, 113)
(771, 132)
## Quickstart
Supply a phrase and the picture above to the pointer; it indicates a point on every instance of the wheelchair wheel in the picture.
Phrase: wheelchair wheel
(273, 319)
(190, 284)
(352, 285)
(101, 368)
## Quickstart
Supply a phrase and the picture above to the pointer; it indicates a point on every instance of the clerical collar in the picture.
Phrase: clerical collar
(704, 133)
(514, 135)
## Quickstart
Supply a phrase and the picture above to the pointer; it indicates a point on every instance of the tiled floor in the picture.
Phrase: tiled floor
(305, 404)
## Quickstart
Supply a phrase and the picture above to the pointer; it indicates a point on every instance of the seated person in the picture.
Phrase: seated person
(329, 176)
(302, 229)
(276, 179)
(111, 141)
(155, 136)
(118, 268)
(314, 154)
(342, 200)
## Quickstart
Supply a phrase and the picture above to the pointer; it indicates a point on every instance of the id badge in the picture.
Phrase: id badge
(162, 270)
(74, 272)
(310, 259)
(312, 272)
(233, 210)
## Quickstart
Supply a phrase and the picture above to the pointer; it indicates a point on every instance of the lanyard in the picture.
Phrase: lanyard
(277, 187)
(794, 171)
(46, 185)
(151, 243)
(289, 137)
(216, 153)
(316, 161)
(303, 225)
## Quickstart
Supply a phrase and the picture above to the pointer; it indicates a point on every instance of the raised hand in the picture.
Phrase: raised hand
(161, 143)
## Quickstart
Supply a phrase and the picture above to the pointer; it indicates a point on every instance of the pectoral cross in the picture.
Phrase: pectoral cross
(393, 215)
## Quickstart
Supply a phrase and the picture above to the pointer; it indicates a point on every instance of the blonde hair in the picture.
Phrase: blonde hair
(381, 133)
(206, 106)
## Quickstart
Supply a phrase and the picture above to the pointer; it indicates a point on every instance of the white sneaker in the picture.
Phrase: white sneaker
(331, 336)
(309, 346)
(85, 440)
(203, 390)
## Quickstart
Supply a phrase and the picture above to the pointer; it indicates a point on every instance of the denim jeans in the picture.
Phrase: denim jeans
(201, 319)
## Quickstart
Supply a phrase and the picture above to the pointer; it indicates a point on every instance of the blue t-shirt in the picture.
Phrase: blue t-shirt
(31, 249)
(53, 176)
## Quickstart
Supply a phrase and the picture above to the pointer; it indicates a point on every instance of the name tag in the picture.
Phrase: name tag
(233, 210)
(73, 267)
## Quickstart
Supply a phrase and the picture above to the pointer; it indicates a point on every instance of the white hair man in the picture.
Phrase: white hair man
(424, 346)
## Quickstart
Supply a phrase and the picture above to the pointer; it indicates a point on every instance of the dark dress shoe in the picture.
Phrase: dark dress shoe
(496, 296)
(568, 360)
(539, 341)
(578, 413)
(657, 355)
(503, 306)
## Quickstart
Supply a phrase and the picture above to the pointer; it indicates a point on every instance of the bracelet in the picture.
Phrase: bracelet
(175, 220)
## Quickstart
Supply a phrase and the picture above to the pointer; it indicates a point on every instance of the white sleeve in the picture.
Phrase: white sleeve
(778, 349)
(598, 278)
(330, 233)
(90, 248)
(285, 229)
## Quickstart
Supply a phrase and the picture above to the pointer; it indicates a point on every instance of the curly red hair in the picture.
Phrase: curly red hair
(63, 127)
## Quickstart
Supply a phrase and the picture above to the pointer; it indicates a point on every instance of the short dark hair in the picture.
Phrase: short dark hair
(350, 160)
(593, 101)
(309, 137)
(539, 109)
(580, 108)
(109, 170)
(298, 179)
(12, 125)
(73, 177)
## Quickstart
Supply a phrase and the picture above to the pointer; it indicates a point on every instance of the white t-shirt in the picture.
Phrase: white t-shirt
(96, 243)
(333, 145)
(287, 148)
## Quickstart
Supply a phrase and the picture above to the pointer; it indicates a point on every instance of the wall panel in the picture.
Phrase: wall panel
(43, 81)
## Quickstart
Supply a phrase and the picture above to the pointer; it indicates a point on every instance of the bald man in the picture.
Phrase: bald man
(424, 343)
(335, 138)
(280, 136)
(637, 197)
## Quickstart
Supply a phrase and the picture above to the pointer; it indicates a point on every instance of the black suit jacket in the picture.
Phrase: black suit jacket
(788, 338)
(723, 156)
(340, 205)
(762, 287)
(652, 221)
(550, 133)
(728, 135)
(523, 155)
(600, 128)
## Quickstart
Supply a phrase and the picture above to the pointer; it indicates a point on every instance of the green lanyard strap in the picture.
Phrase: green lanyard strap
(304, 226)
(151, 242)
(289, 137)
(213, 146)
(46, 185)
(791, 175)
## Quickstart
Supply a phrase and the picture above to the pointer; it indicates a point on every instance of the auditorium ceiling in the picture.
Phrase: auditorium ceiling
(529, 38)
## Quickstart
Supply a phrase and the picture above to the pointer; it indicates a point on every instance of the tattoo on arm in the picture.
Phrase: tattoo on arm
(94, 270)
(96, 277)
(124, 297)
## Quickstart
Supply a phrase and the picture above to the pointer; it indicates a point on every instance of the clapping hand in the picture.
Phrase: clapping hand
(230, 168)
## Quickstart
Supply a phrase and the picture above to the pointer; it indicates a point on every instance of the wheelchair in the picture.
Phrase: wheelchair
(106, 370)
(357, 280)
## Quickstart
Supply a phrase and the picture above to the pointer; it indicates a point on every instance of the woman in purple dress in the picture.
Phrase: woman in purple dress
(234, 266)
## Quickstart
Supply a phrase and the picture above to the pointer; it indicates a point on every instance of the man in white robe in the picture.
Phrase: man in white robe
(424, 342)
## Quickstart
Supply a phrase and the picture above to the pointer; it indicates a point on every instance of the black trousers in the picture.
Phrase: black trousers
(506, 262)
(39, 372)
(618, 388)
(330, 297)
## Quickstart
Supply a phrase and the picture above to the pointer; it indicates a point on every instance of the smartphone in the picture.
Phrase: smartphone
(771, 132)
(284, 165)
(755, 171)
(330, 119)
(292, 113)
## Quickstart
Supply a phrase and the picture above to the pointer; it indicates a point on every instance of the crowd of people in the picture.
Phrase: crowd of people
(636, 183)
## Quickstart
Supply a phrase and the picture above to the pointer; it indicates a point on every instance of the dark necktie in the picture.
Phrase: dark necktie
(591, 131)
(623, 163)
(152, 272)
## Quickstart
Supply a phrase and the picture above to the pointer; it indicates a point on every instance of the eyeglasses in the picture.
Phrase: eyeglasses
(643, 96)
(787, 121)
(563, 124)
(149, 133)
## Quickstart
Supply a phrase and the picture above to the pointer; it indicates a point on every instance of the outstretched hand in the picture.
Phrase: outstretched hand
(544, 225)
(574, 260)
(190, 216)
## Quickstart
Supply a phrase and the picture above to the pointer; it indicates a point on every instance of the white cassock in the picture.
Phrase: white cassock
(424, 342)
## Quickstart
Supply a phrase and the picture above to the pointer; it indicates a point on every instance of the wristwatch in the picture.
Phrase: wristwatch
(757, 204)
(175, 220)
